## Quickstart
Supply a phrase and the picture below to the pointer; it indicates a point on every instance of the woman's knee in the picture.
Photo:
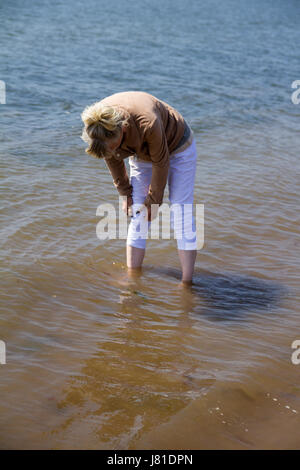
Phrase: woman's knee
(138, 231)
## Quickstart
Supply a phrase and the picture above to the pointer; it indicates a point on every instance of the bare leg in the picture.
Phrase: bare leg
(187, 260)
(135, 257)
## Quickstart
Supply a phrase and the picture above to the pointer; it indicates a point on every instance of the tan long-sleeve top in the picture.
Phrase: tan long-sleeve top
(155, 130)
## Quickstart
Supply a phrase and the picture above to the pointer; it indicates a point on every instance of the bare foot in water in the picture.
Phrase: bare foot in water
(185, 284)
(134, 273)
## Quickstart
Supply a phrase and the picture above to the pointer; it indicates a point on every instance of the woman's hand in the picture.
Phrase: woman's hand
(126, 204)
(151, 211)
(151, 214)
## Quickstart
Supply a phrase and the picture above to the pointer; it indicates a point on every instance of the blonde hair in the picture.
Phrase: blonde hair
(101, 123)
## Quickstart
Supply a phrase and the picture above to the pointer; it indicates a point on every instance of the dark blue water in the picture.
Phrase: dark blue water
(222, 64)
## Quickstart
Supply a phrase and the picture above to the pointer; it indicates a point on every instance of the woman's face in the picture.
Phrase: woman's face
(113, 144)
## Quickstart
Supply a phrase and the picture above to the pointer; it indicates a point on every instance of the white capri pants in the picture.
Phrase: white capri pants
(181, 178)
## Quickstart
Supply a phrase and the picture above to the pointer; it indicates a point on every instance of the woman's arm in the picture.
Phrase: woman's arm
(119, 174)
(160, 157)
